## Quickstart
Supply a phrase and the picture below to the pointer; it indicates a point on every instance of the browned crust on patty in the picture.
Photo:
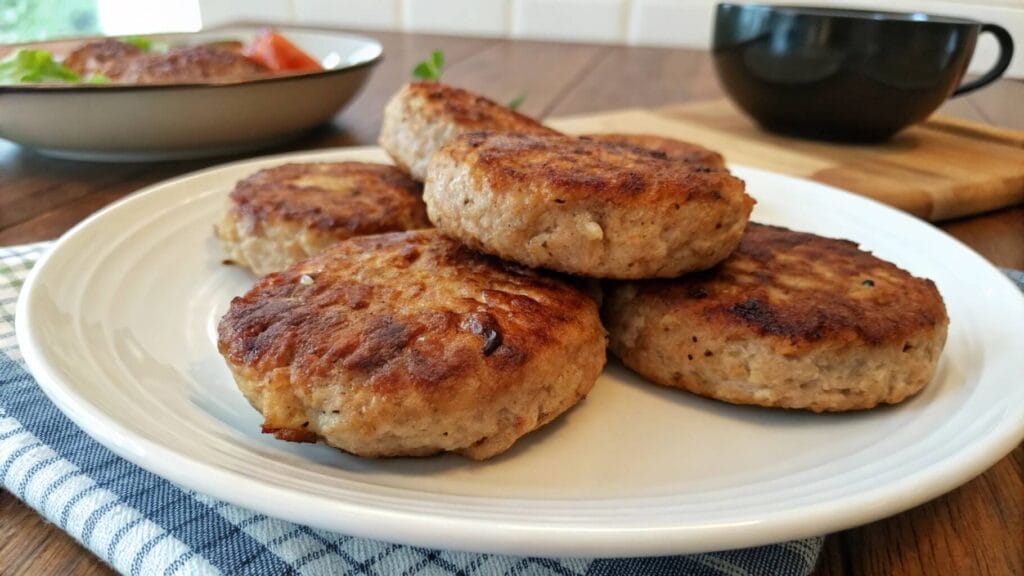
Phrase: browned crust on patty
(108, 57)
(124, 63)
(203, 63)
(385, 305)
(584, 207)
(673, 149)
(571, 170)
(343, 198)
(790, 320)
(424, 116)
(800, 290)
(468, 111)
(410, 344)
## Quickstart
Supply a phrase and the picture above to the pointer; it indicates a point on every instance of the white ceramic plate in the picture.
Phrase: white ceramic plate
(114, 122)
(118, 324)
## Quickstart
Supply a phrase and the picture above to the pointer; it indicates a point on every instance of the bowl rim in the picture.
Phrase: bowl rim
(821, 11)
(64, 88)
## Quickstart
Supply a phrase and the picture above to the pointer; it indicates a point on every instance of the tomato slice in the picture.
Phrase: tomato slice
(279, 54)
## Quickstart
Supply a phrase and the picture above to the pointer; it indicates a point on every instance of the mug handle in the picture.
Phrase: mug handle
(1005, 54)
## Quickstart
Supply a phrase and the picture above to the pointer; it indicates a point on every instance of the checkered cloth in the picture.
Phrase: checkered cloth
(141, 524)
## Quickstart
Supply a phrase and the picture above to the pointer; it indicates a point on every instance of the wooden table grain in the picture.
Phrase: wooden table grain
(976, 529)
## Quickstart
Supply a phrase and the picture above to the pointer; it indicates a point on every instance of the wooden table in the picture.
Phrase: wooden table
(977, 529)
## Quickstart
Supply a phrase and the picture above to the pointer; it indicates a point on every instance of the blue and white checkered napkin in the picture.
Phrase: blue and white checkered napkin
(141, 524)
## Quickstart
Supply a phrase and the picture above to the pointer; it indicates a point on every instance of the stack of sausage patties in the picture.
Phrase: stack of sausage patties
(467, 337)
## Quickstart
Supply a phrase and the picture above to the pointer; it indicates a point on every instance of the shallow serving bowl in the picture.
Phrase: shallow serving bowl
(159, 122)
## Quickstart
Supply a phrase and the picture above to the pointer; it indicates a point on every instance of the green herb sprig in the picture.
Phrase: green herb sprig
(430, 69)
(144, 44)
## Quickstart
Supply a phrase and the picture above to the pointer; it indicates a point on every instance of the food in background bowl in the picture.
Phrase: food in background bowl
(142, 61)
(128, 121)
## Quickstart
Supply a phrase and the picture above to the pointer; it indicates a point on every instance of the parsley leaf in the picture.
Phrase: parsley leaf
(431, 69)
(516, 102)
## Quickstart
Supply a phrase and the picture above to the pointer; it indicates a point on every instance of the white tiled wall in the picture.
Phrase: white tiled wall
(215, 12)
(464, 17)
(670, 23)
(640, 22)
(375, 14)
(573, 20)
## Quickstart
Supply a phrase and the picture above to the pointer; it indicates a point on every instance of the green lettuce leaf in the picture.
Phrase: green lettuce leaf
(28, 65)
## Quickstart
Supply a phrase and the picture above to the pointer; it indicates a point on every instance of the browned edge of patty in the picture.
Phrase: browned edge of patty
(122, 62)
(790, 320)
(345, 198)
(467, 110)
(799, 290)
(108, 57)
(674, 149)
(277, 323)
(408, 318)
(582, 171)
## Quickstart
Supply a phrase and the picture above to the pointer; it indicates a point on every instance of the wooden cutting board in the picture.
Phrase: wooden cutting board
(938, 170)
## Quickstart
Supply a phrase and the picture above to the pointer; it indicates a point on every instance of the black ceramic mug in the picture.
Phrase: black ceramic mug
(845, 74)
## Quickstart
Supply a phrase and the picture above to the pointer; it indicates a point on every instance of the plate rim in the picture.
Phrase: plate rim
(509, 538)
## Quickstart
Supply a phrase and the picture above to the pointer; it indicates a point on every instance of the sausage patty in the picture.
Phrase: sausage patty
(408, 344)
(584, 207)
(790, 320)
(125, 63)
(281, 215)
(675, 149)
(423, 116)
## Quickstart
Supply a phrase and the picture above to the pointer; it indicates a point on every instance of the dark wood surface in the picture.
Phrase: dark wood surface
(976, 529)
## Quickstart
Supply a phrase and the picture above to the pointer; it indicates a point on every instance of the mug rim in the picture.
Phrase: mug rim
(916, 17)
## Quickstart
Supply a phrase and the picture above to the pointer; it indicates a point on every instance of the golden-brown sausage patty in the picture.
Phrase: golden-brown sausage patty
(584, 207)
(423, 116)
(108, 57)
(281, 215)
(790, 320)
(408, 344)
(125, 63)
(675, 149)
